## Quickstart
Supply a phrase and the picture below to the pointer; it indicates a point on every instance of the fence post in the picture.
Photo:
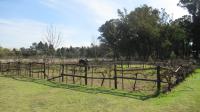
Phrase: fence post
(74, 71)
(122, 72)
(62, 72)
(8, 70)
(18, 68)
(158, 80)
(0, 67)
(85, 74)
(44, 70)
(30, 69)
(115, 76)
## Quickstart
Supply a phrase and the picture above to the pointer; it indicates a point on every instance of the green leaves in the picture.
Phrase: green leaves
(144, 32)
(193, 26)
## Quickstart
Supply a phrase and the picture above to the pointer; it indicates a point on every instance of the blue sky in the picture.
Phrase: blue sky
(23, 22)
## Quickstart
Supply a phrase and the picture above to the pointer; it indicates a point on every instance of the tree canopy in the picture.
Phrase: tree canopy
(145, 32)
(193, 7)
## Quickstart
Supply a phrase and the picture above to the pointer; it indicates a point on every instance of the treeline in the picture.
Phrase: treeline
(5, 52)
(44, 50)
(147, 32)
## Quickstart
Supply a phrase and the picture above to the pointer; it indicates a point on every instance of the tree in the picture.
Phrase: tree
(127, 36)
(53, 37)
(40, 48)
(53, 40)
(193, 7)
(185, 22)
(110, 35)
(146, 32)
(144, 23)
(5, 53)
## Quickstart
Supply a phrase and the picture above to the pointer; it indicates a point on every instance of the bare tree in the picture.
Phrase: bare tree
(94, 45)
(53, 39)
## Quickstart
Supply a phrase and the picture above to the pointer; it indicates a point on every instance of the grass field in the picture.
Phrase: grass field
(26, 95)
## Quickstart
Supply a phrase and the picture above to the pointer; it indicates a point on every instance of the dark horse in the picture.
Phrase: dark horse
(83, 62)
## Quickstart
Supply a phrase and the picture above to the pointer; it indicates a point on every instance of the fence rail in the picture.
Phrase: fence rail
(117, 74)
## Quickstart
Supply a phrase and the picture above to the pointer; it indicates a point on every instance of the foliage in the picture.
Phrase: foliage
(193, 7)
(4, 52)
(42, 49)
(145, 32)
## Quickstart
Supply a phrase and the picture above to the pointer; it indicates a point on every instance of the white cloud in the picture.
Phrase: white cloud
(170, 6)
(101, 9)
(98, 10)
(50, 3)
(20, 33)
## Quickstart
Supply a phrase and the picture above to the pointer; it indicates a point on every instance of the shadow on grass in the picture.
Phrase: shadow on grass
(86, 89)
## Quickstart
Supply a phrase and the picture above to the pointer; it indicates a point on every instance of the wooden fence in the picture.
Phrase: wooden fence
(116, 74)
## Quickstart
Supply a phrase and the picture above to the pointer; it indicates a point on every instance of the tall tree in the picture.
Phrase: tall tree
(110, 35)
(144, 22)
(193, 7)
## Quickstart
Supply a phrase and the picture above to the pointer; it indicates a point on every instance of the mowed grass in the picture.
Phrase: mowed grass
(41, 96)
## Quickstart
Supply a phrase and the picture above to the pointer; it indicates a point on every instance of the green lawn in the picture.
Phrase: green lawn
(26, 95)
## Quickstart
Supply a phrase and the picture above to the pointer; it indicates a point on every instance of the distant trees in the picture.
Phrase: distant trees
(42, 49)
(146, 32)
(4, 52)
(9, 53)
(38, 50)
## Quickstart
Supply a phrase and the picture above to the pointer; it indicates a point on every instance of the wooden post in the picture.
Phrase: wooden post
(158, 80)
(8, 70)
(62, 72)
(122, 72)
(0, 67)
(30, 67)
(134, 86)
(85, 74)
(74, 71)
(44, 70)
(18, 68)
(92, 75)
(115, 76)
(48, 70)
(66, 70)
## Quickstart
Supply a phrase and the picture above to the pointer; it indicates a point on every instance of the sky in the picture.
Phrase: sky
(23, 22)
